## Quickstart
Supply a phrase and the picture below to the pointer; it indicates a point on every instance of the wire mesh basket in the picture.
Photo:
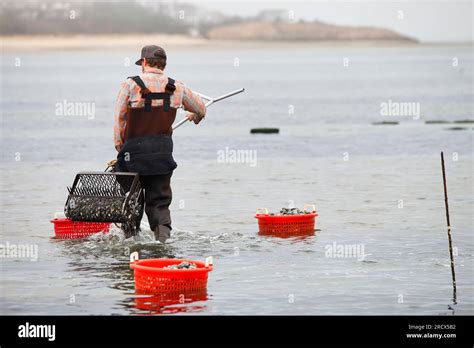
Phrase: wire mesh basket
(104, 197)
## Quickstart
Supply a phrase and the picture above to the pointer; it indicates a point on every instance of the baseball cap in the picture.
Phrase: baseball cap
(151, 51)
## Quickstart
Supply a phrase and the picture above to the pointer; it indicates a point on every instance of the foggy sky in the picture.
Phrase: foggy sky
(428, 21)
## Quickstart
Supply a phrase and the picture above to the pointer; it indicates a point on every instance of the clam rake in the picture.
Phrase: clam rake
(114, 196)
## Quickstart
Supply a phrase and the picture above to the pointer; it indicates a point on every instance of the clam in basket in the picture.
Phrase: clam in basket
(68, 229)
(287, 225)
(153, 277)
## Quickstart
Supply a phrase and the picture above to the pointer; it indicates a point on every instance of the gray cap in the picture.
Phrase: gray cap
(151, 51)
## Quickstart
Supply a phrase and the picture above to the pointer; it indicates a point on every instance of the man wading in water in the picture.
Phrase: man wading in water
(144, 115)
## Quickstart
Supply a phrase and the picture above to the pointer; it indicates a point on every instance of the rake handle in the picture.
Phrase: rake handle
(210, 102)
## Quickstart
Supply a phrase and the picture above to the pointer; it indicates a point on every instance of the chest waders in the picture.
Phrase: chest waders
(147, 150)
(151, 120)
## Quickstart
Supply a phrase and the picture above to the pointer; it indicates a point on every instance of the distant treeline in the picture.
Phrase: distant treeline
(89, 17)
(170, 17)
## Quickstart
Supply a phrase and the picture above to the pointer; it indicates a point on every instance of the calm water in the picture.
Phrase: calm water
(378, 187)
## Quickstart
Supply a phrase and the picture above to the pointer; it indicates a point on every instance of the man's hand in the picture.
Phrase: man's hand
(194, 117)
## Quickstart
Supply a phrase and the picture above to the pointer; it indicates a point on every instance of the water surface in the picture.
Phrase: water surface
(374, 186)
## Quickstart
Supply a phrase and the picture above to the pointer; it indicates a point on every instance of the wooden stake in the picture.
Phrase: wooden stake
(449, 228)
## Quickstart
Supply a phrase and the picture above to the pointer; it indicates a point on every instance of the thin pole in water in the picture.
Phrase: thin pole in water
(449, 228)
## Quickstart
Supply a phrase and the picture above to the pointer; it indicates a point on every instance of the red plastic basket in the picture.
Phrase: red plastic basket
(68, 229)
(286, 225)
(152, 278)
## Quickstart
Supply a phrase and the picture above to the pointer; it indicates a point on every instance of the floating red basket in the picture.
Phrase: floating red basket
(287, 225)
(151, 276)
(68, 229)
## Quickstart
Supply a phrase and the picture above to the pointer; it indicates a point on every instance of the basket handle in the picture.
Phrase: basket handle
(309, 205)
(209, 261)
(260, 209)
(59, 213)
(134, 256)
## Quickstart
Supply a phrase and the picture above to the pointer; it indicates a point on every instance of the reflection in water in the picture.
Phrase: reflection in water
(301, 235)
(167, 303)
(293, 237)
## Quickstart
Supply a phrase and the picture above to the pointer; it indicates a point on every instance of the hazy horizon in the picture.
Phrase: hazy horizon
(427, 21)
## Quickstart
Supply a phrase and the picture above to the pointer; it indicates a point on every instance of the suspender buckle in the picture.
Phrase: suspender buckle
(149, 96)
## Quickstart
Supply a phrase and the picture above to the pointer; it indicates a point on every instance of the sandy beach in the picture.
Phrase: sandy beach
(25, 43)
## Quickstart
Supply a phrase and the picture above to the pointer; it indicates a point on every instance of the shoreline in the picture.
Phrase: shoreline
(80, 42)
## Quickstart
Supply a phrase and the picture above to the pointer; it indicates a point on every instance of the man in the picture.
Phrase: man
(144, 114)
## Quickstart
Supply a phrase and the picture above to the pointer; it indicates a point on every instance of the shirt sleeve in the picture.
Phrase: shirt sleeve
(193, 103)
(120, 118)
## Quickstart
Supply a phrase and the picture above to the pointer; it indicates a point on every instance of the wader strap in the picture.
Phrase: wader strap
(170, 87)
(149, 96)
(140, 83)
